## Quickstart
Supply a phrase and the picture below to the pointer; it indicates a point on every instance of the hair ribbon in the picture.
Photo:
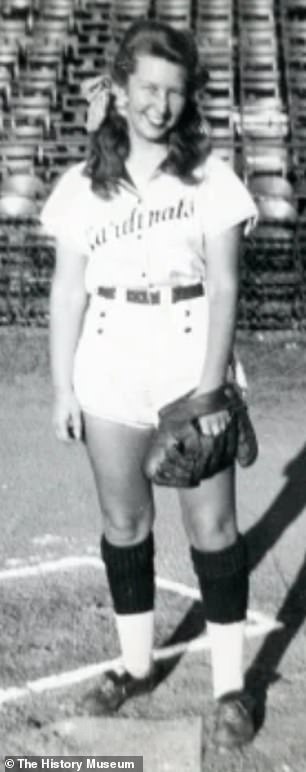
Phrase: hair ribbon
(97, 92)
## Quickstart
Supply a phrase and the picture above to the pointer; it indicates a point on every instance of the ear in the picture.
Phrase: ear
(121, 99)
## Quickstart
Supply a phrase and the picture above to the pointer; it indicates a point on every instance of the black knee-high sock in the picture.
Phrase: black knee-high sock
(130, 573)
(223, 580)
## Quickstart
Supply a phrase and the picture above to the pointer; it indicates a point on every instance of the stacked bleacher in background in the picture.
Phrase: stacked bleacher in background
(255, 51)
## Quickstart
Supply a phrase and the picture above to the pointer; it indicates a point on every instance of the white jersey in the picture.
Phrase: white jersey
(153, 238)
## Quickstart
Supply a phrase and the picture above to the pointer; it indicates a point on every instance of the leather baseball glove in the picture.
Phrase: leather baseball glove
(181, 455)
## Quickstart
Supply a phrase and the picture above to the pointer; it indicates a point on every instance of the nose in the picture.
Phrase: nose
(162, 103)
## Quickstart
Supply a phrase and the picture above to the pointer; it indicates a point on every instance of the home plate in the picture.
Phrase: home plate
(166, 746)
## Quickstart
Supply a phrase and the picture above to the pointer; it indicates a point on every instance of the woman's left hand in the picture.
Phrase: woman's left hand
(215, 423)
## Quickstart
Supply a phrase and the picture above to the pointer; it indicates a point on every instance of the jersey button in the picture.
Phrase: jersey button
(188, 329)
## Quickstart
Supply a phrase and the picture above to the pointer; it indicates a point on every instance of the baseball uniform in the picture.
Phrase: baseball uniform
(144, 335)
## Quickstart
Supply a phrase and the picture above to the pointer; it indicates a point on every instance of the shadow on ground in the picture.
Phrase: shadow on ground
(260, 538)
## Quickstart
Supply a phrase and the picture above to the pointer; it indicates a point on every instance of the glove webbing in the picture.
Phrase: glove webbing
(188, 408)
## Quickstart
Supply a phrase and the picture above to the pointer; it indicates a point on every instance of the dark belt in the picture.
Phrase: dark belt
(153, 297)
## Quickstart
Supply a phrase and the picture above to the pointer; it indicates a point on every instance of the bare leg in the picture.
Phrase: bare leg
(116, 452)
(209, 512)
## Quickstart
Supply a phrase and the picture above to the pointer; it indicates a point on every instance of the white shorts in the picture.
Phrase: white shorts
(133, 358)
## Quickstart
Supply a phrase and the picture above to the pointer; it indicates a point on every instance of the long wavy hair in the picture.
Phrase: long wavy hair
(188, 141)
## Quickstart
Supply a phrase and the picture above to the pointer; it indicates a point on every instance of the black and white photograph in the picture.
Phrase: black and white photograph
(152, 383)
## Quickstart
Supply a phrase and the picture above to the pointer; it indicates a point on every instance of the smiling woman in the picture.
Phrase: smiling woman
(158, 81)
(143, 311)
(156, 96)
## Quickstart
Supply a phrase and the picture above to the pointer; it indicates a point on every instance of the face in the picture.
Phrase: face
(156, 95)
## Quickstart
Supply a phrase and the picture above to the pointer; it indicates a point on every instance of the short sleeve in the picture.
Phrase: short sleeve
(223, 200)
(62, 215)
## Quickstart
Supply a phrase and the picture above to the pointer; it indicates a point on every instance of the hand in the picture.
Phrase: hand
(67, 419)
(215, 423)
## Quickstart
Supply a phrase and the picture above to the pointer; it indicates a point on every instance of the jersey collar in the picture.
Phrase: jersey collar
(127, 181)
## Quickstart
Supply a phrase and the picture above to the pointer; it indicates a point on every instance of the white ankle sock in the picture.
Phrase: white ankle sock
(226, 656)
(136, 633)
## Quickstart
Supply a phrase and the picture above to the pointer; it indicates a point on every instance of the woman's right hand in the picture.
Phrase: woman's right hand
(67, 418)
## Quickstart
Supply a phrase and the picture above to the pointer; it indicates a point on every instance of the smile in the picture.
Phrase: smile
(157, 122)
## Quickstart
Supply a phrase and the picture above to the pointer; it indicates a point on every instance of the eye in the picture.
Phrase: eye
(178, 92)
(151, 88)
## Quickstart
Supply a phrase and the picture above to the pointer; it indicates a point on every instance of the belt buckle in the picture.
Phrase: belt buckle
(142, 296)
(136, 296)
(154, 297)
(151, 297)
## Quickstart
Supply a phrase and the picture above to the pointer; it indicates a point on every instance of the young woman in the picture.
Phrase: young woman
(143, 310)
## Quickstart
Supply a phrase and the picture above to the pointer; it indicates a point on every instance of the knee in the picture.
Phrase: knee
(123, 528)
(125, 535)
(215, 529)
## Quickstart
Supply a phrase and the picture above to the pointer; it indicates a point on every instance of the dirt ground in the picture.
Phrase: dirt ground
(54, 622)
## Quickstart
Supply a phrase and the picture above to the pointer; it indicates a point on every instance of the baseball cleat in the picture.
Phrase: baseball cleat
(115, 689)
(234, 721)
